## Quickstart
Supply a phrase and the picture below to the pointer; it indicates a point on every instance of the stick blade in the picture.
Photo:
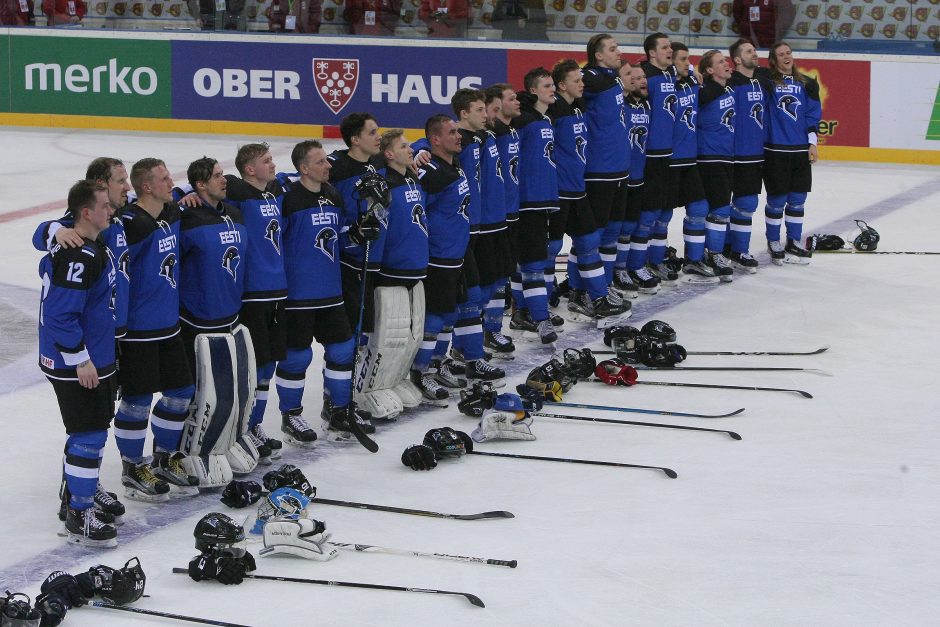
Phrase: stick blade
(670, 473)
(483, 515)
(734, 436)
(474, 599)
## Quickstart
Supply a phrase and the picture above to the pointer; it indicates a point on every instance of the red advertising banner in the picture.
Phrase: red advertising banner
(844, 88)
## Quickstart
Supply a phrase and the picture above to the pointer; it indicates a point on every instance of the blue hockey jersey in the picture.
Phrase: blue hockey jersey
(312, 223)
(638, 119)
(448, 200)
(606, 156)
(116, 241)
(213, 250)
(76, 313)
(750, 124)
(406, 244)
(261, 215)
(153, 248)
(492, 186)
(571, 145)
(716, 123)
(344, 175)
(684, 141)
(794, 111)
(664, 109)
(538, 179)
(507, 141)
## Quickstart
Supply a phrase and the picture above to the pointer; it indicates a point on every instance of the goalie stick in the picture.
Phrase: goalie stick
(369, 548)
(636, 410)
(354, 427)
(474, 599)
(753, 388)
(188, 619)
(669, 472)
(731, 434)
(415, 512)
(821, 349)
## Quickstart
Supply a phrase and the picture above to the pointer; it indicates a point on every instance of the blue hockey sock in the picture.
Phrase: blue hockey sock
(169, 416)
(81, 466)
(608, 248)
(660, 233)
(591, 268)
(265, 373)
(495, 297)
(515, 285)
(554, 247)
(433, 323)
(717, 229)
(773, 216)
(794, 215)
(640, 240)
(574, 274)
(468, 329)
(739, 229)
(337, 371)
(130, 426)
(533, 289)
(290, 378)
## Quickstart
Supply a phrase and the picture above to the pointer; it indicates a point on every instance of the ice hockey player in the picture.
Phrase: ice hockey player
(312, 219)
(538, 196)
(448, 198)
(76, 353)
(716, 130)
(586, 273)
(794, 112)
(383, 387)
(608, 161)
(751, 86)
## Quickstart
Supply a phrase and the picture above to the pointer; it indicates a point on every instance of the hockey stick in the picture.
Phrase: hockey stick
(188, 619)
(635, 410)
(731, 434)
(736, 369)
(821, 349)
(851, 251)
(415, 512)
(668, 471)
(369, 548)
(802, 393)
(354, 428)
(475, 600)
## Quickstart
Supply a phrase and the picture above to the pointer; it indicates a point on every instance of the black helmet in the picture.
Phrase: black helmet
(866, 240)
(659, 330)
(580, 363)
(217, 529)
(619, 331)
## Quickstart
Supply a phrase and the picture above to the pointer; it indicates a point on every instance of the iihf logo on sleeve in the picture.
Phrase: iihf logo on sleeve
(336, 81)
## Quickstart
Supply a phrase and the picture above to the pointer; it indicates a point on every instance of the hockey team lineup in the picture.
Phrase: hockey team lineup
(501, 268)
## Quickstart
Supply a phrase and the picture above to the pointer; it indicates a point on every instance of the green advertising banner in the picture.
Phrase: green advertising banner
(84, 76)
(4, 73)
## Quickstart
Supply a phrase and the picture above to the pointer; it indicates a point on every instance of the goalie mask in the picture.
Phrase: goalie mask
(616, 372)
(868, 239)
(286, 503)
(16, 610)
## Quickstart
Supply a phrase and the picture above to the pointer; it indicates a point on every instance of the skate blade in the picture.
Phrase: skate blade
(181, 492)
(744, 269)
(698, 279)
(725, 278)
(275, 454)
(776, 262)
(507, 356)
(796, 261)
(74, 538)
(435, 402)
(341, 437)
(578, 317)
(649, 291)
(299, 443)
(136, 495)
(612, 321)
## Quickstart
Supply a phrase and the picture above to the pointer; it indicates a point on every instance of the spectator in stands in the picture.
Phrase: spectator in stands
(372, 17)
(277, 15)
(445, 18)
(763, 22)
(308, 14)
(17, 13)
(205, 12)
(63, 12)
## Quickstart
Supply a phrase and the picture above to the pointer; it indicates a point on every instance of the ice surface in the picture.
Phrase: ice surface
(826, 512)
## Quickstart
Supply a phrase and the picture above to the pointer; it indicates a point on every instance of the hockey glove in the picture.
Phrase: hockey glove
(52, 608)
(366, 228)
(241, 493)
(75, 592)
(225, 569)
(419, 457)
(289, 476)
(615, 372)
(659, 354)
(16, 611)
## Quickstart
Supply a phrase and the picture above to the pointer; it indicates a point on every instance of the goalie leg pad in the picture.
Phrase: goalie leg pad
(243, 455)
(210, 428)
(381, 404)
(297, 537)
